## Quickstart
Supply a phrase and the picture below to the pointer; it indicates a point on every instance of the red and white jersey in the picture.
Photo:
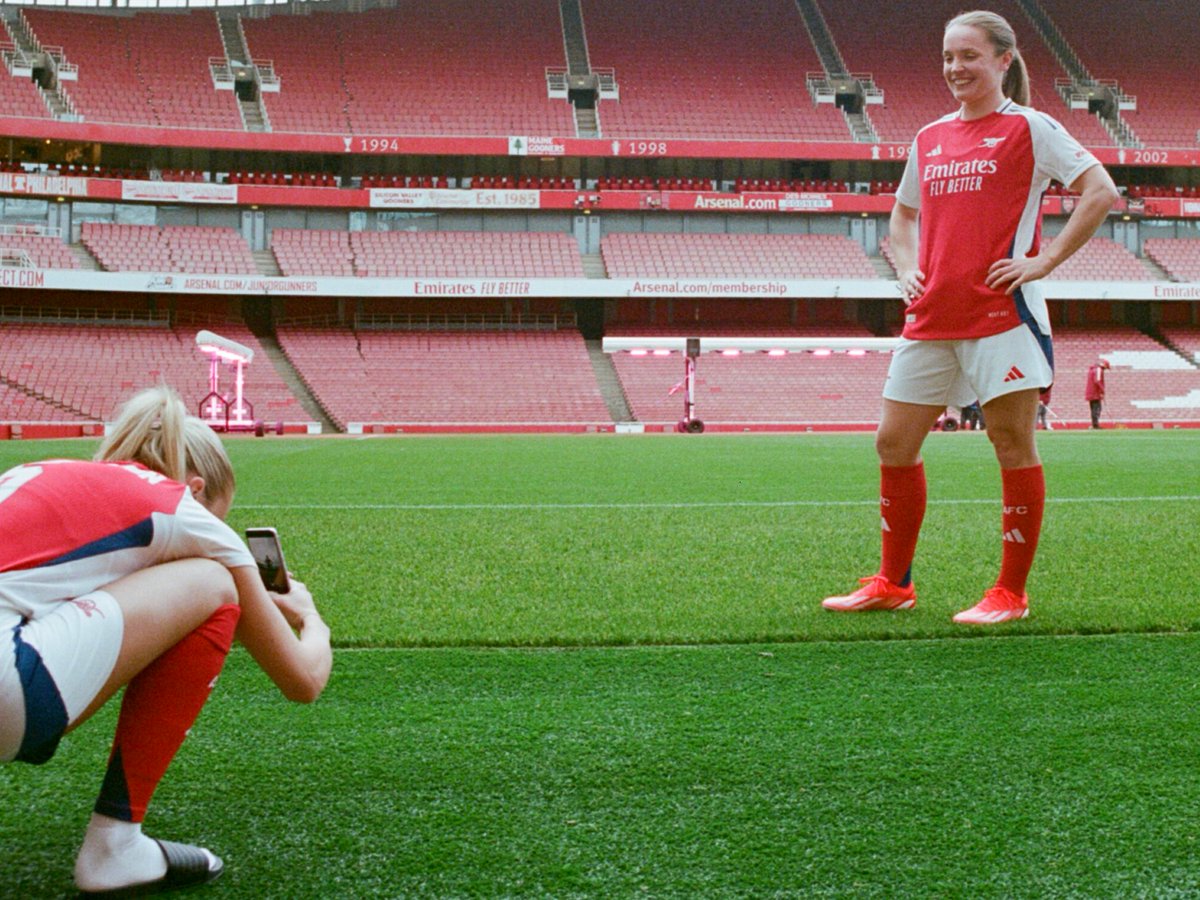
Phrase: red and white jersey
(68, 527)
(978, 185)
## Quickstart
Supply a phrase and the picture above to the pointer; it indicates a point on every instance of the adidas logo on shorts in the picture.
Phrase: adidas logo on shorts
(1014, 374)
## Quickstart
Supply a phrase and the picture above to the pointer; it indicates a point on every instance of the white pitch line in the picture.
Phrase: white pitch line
(716, 504)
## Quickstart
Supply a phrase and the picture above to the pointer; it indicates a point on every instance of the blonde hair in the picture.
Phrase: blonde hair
(154, 429)
(1001, 35)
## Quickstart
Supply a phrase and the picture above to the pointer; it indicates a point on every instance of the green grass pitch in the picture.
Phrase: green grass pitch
(596, 666)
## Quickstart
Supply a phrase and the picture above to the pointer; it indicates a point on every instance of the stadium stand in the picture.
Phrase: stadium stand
(126, 76)
(1147, 383)
(42, 251)
(448, 254)
(1179, 257)
(834, 389)
(311, 94)
(801, 185)
(18, 406)
(915, 94)
(1102, 259)
(147, 248)
(300, 251)
(1167, 114)
(734, 256)
(697, 68)
(286, 179)
(1184, 338)
(19, 96)
(448, 378)
(92, 369)
(447, 68)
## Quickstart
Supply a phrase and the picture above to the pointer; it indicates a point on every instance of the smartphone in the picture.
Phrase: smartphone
(264, 545)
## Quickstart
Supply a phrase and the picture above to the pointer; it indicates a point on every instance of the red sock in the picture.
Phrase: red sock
(902, 504)
(1024, 501)
(159, 707)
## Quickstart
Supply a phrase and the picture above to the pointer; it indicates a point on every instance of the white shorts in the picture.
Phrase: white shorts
(51, 669)
(957, 373)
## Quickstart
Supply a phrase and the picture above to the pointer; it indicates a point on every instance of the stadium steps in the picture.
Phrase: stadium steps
(609, 383)
(574, 37)
(1155, 269)
(593, 266)
(1182, 352)
(266, 263)
(85, 258)
(587, 125)
(882, 267)
(295, 384)
(44, 398)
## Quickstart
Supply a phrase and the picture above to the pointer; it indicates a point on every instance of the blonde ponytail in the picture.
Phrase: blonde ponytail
(154, 429)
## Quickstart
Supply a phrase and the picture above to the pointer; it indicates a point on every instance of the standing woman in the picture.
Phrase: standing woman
(965, 235)
(122, 573)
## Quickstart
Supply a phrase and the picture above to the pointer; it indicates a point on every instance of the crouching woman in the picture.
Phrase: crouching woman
(121, 573)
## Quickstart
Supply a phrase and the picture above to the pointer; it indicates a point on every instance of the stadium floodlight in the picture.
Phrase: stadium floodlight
(220, 411)
(691, 348)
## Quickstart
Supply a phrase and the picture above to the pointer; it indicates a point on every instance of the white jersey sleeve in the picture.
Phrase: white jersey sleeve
(193, 531)
(1058, 155)
(909, 191)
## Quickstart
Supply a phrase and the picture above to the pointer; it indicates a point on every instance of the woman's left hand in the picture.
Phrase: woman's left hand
(1010, 274)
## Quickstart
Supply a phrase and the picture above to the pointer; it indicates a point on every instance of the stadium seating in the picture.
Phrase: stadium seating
(1167, 114)
(447, 68)
(17, 406)
(43, 252)
(19, 96)
(1147, 381)
(126, 73)
(300, 251)
(286, 179)
(147, 248)
(915, 94)
(449, 254)
(93, 368)
(630, 255)
(1185, 338)
(703, 69)
(447, 378)
(1102, 259)
(835, 389)
(1179, 257)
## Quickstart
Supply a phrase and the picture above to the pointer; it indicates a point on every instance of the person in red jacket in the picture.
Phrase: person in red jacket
(1093, 391)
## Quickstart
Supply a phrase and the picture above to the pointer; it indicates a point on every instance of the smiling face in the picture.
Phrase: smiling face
(974, 70)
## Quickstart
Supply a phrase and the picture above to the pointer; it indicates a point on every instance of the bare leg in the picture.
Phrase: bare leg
(1011, 419)
(902, 432)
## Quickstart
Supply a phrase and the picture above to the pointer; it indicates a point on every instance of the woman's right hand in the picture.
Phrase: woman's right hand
(297, 604)
(912, 284)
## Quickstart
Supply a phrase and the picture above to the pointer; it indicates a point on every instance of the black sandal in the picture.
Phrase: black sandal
(187, 867)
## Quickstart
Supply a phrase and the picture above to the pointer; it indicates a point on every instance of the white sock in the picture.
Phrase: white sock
(116, 854)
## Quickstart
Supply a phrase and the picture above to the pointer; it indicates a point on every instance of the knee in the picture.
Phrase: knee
(895, 448)
(1014, 447)
(214, 582)
(224, 587)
